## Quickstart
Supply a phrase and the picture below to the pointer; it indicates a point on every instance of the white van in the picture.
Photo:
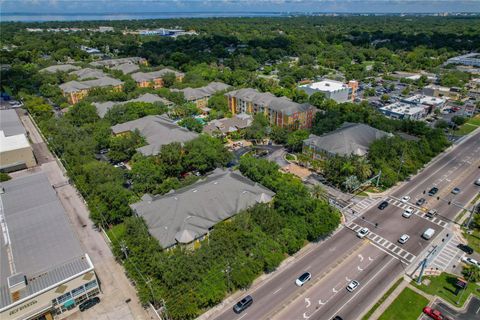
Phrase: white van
(428, 234)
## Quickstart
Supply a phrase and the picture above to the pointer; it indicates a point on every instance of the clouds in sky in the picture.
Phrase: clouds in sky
(126, 6)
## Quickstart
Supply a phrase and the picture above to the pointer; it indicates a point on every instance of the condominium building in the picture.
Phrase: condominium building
(75, 91)
(200, 96)
(155, 79)
(280, 111)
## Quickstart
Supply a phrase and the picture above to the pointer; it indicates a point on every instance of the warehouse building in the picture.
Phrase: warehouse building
(15, 150)
(44, 274)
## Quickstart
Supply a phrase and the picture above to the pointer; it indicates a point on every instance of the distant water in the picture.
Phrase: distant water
(38, 17)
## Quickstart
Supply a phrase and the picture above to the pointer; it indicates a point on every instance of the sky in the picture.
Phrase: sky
(134, 6)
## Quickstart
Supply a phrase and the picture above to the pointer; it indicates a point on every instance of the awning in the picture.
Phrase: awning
(69, 303)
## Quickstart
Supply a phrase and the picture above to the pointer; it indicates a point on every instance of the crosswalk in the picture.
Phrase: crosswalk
(448, 256)
(384, 243)
(417, 212)
(363, 205)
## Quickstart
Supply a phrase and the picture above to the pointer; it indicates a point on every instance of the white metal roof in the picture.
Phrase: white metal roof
(18, 141)
(326, 85)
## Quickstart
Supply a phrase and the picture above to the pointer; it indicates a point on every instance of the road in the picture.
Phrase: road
(335, 261)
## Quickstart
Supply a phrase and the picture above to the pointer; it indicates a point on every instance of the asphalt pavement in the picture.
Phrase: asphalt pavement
(335, 261)
(472, 311)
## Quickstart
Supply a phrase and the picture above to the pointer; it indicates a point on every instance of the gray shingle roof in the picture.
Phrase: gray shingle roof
(87, 73)
(350, 138)
(126, 68)
(183, 215)
(60, 67)
(158, 130)
(150, 76)
(73, 86)
(103, 107)
(281, 104)
(42, 243)
(227, 125)
(10, 123)
(115, 62)
(192, 94)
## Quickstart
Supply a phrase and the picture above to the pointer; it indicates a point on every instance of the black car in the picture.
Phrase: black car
(421, 201)
(243, 304)
(465, 248)
(89, 303)
(337, 318)
(383, 205)
(433, 191)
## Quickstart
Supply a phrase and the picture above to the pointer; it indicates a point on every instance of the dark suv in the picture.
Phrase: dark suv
(243, 304)
(465, 248)
(433, 191)
(421, 202)
(383, 205)
(89, 303)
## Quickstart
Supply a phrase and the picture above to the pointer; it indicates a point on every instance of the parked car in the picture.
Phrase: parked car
(405, 199)
(243, 304)
(465, 248)
(337, 318)
(353, 285)
(456, 190)
(428, 234)
(420, 202)
(434, 314)
(471, 261)
(431, 213)
(383, 205)
(477, 182)
(404, 238)
(303, 279)
(408, 212)
(433, 191)
(89, 303)
(363, 233)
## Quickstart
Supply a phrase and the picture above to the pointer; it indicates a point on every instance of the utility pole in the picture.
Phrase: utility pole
(474, 210)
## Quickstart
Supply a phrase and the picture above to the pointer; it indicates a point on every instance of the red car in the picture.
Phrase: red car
(434, 314)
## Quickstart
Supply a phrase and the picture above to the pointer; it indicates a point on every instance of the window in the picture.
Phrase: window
(77, 291)
(64, 297)
(91, 284)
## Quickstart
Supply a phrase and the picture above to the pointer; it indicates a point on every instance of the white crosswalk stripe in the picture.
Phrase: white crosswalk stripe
(384, 243)
(449, 255)
(417, 212)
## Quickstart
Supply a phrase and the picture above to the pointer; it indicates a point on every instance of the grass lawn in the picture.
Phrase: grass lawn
(407, 306)
(444, 287)
(382, 299)
(473, 239)
(475, 120)
(469, 126)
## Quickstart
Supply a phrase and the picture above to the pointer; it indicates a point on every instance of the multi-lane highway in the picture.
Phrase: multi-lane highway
(378, 259)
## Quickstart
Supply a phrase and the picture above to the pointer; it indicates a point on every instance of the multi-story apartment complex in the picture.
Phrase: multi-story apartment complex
(281, 111)
(155, 79)
(75, 91)
(200, 96)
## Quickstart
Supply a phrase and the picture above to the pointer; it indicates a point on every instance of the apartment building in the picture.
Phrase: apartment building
(280, 111)
(155, 79)
(200, 96)
(75, 91)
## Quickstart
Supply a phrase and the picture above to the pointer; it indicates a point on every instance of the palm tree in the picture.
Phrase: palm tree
(347, 168)
(364, 168)
(318, 192)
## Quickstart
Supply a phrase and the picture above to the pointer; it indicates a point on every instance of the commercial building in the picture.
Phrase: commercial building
(429, 103)
(103, 107)
(349, 139)
(280, 111)
(402, 110)
(332, 89)
(439, 91)
(154, 79)
(75, 91)
(44, 273)
(158, 130)
(187, 215)
(200, 96)
(471, 59)
(228, 125)
(15, 150)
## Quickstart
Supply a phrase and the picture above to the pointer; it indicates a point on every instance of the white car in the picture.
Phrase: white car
(406, 199)
(303, 279)
(363, 233)
(471, 261)
(404, 238)
(353, 285)
(408, 212)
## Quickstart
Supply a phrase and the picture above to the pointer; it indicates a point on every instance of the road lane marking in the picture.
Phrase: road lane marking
(334, 291)
(359, 269)
(242, 316)
(348, 280)
(361, 257)
(276, 291)
(322, 303)
(307, 301)
(361, 288)
(370, 259)
(305, 316)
